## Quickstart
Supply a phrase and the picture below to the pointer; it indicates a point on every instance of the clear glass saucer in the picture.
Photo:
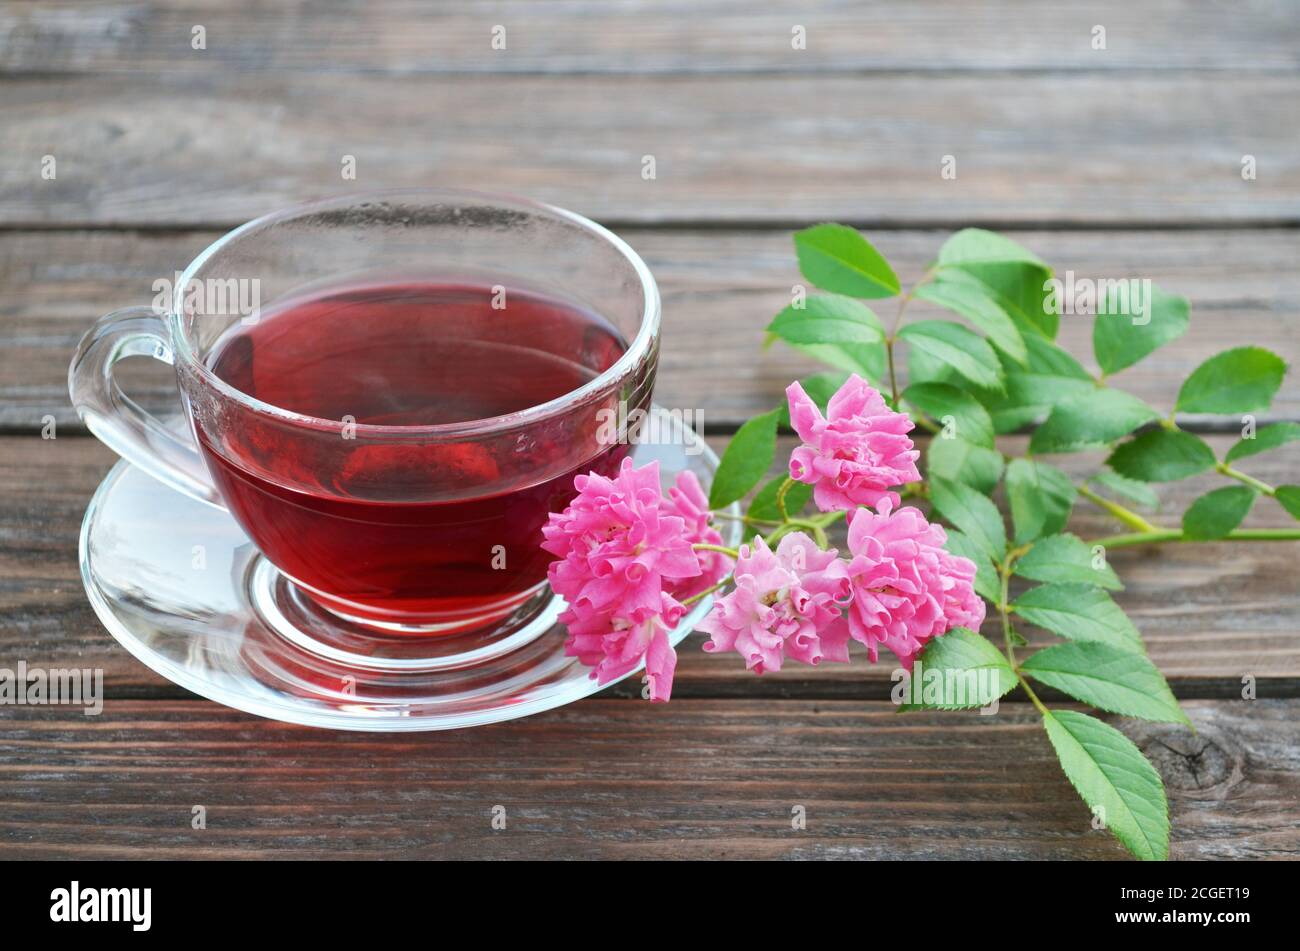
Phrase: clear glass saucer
(181, 587)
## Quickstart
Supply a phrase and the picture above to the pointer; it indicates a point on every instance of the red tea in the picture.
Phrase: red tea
(410, 529)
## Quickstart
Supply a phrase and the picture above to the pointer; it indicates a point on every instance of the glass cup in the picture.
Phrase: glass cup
(438, 529)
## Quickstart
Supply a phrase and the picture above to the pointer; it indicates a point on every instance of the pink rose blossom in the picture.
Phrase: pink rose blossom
(623, 556)
(687, 499)
(854, 454)
(907, 588)
(617, 546)
(784, 604)
(614, 646)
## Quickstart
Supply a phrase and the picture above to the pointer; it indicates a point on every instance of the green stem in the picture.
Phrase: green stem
(1251, 481)
(893, 377)
(915, 490)
(893, 332)
(708, 591)
(1159, 535)
(923, 421)
(705, 546)
(1127, 516)
(746, 519)
(780, 498)
(1004, 570)
(815, 525)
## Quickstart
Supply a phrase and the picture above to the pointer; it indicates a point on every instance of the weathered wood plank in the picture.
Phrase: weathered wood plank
(216, 149)
(701, 36)
(1210, 613)
(720, 288)
(611, 779)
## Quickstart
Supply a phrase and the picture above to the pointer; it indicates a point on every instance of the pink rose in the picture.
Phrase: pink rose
(856, 453)
(907, 588)
(784, 604)
(624, 557)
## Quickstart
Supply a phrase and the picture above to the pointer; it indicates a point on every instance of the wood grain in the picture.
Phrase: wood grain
(719, 287)
(1092, 148)
(1123, 162)
(669, 36)
(1210, 613)
(620, 780)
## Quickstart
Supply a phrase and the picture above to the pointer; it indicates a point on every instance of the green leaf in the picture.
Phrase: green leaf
(1052, 377)
(1119, 342)
(957, 671)
(1113, 680)
(1041, 497)
(1266, 438)
(1162, 455)
(964, 351)
(1090, 421)
(1111, 774)
(961, 293)
(837, 258)
(987, 585)
(866, 360)
(828, 318)
(1236, 381)
(978, 246)
(923, 368)
(963, 461)
(820, 387)
(972, 512)
(748, 457)
(1066, 559)
(1080, 613)
(971, 420)
(1049, 360)
(1014, 277)
(1021, 289)
(1216, 513)
(764, 505)
(1288, 496)
(1134, 491)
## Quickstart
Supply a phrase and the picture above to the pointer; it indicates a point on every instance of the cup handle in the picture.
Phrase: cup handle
(117, 420)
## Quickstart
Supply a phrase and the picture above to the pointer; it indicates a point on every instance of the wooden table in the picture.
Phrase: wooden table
(1120, 162)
